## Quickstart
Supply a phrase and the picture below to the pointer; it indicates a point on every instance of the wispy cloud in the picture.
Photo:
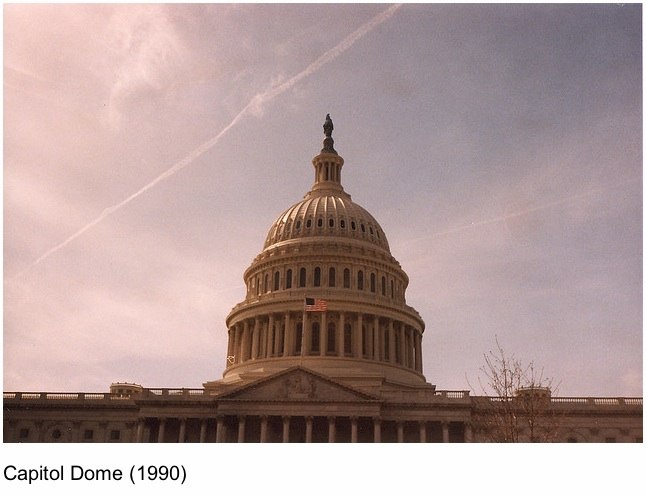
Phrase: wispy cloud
(151, 54)
(148, 51)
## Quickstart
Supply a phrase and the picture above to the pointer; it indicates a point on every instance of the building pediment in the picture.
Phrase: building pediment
(297, 384)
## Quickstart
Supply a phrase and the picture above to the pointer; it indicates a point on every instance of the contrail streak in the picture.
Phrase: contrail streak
(522, 212)
(254, 105)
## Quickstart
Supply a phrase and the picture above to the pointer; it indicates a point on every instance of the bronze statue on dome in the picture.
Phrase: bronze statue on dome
(328, 126)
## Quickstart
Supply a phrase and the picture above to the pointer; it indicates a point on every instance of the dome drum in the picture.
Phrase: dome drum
(347, 335)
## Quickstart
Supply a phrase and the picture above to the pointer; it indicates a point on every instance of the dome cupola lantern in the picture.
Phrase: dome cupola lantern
(328, 164)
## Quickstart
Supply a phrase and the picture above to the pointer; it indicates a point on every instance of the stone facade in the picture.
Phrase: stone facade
(323, 348)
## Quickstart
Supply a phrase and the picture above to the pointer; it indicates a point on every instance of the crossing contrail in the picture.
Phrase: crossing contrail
(521, 212)
(254, 105)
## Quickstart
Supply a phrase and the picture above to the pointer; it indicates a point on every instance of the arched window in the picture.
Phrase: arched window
(302, 277)
(258, 289)
(266, 286)
(392, 289)
(383, 286)
(346, 278)
(331, 222)
(331, 277)
(331, 338)
(288, 279)
(373, 282)
(316, 338)
(276, 280)
(347, 340)
(317, 277)
(360, 280)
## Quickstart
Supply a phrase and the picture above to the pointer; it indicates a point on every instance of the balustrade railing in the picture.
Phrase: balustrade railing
(187, 393)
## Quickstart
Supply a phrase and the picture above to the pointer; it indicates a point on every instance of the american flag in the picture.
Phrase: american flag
(312, 304)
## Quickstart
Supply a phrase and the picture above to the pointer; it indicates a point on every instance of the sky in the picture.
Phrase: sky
(149, 148)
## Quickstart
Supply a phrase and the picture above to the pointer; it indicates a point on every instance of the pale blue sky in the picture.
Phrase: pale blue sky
(500, 148)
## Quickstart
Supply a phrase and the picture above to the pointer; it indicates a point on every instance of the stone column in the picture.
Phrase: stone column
(241, 427)
(468, 433)
(245, 348)
(230, 344)
(308, 429)
(103, 432)
(140, 430)
(182, 430)
(306, 340)
(162, 430)
(262, 339)
(203, 431)
(354, 430)
(255, 337)
(323, 335)
(270, 337)
(331, 429)
(14, 433)
(390, 341)
(237, 352)
(422, 432)
(370, 335)
(411, 347)
(278, 337)
(39, 434)
(287, 336)
(400, 432)
(418, 351)
(286, 429)
(263, 429)
(359, 336)
(220, 433)
(376, 424)
(382, 343)
(406, 343)
(445, 431)
(340, 333)
(76, 431)
(376, 338)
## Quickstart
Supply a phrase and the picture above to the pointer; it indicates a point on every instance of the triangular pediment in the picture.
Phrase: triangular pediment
(297, 384)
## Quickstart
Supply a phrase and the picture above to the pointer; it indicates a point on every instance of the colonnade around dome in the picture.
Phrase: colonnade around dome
(327, 334)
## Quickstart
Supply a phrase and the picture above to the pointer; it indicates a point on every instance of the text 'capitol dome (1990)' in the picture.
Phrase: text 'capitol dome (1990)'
(325, 293)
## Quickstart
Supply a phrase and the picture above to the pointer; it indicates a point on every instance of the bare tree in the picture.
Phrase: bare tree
(516, 401)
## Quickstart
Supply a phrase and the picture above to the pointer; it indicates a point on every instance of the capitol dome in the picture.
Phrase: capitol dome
(325, 293)
(327, 215)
